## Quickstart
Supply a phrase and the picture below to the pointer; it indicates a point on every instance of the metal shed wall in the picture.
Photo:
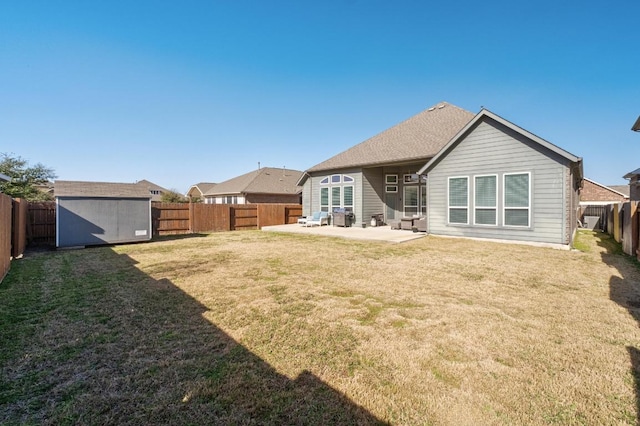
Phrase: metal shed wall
(83, 221)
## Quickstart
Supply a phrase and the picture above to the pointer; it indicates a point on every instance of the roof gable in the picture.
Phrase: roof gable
(483, 115)
(416, 138)
(68, 188)
(267, 180)
(615, 189)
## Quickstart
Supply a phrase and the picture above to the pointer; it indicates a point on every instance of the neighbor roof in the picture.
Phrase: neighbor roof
(267, 180)
(4, 177)
(486, 113)
(621, 190)
(632, 174)
(151, 186)
(416, 138)
(203, 187)
(69, 188)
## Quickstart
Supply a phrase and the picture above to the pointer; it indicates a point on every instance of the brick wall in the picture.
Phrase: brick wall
(594, 192)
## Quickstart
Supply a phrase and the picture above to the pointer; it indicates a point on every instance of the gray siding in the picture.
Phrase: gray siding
(311, 191)
(372, 200)
(94, 221)
(491, 148)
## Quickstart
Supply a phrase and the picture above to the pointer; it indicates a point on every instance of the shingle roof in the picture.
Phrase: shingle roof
(632, 174)
(203, 187)
(69, 188)
(267, 180)
(416, 138)
(623, 189)
(151, 186)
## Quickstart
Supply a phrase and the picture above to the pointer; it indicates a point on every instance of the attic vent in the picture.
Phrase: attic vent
(441, 106)
(431, 109)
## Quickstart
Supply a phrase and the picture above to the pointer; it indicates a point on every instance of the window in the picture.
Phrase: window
(423, 200)
(517, 199)
(324, 199)
(410, 200)
(459, 200)
(411, 178)
(391, 179)
(335, 196)
(390, 188)
(486, 200)
(347, 194)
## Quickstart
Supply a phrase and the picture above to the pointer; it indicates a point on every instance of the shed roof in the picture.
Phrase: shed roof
(416, 138)
(69, 188)
(267, 180)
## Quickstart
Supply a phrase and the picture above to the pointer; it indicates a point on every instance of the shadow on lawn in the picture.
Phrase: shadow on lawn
(625, 292)
(144, 354)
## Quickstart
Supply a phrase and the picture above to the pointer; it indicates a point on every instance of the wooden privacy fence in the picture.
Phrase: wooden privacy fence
(41, 223)
(19, 226)
(176, 218)
(5, 234)
(622, 221)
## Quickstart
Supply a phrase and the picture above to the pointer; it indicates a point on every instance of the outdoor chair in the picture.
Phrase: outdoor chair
(318, 218)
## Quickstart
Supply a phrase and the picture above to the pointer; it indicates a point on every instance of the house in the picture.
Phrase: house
(265, 185)
(634, 184)
(196, 192)
(468, 175)
(4, 178)
(95, 213)
(156, 191)
(594, 193)
(378, 176)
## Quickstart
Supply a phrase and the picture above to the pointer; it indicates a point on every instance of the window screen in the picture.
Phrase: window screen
(516, 199)
(458, 200)
(486, 190)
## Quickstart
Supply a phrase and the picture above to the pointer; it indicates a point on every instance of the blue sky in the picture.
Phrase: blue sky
(183, 92)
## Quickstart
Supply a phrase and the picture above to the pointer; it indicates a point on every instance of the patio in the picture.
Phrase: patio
(374, 233)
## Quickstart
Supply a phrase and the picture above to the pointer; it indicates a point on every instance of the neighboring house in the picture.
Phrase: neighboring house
(197, 191)
(4, 178)
(94, 213)
(634, 184)
(470, 175)
(265, 185)
(594, 193)
(155, 191)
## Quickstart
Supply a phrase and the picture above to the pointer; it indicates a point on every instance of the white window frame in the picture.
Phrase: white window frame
(328, 205)
(332, 205)
(344, 203)
(504, 201)
(391, 179)
(412, 206)
(475, 201)
(449, 206)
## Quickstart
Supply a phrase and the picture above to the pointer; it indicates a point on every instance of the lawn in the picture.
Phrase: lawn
(263, 328)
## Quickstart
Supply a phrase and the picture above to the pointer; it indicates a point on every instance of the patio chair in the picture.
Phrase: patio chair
(318, 218)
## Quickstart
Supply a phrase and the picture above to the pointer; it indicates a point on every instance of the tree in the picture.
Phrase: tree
(24, 179)
(173, 196)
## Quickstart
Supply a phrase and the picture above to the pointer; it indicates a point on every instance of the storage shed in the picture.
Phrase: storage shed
(94, 213)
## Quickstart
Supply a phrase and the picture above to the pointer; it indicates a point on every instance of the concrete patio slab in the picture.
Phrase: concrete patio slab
(376, 233)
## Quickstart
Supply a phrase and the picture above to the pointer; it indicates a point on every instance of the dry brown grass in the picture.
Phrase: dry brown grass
(250, 327)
